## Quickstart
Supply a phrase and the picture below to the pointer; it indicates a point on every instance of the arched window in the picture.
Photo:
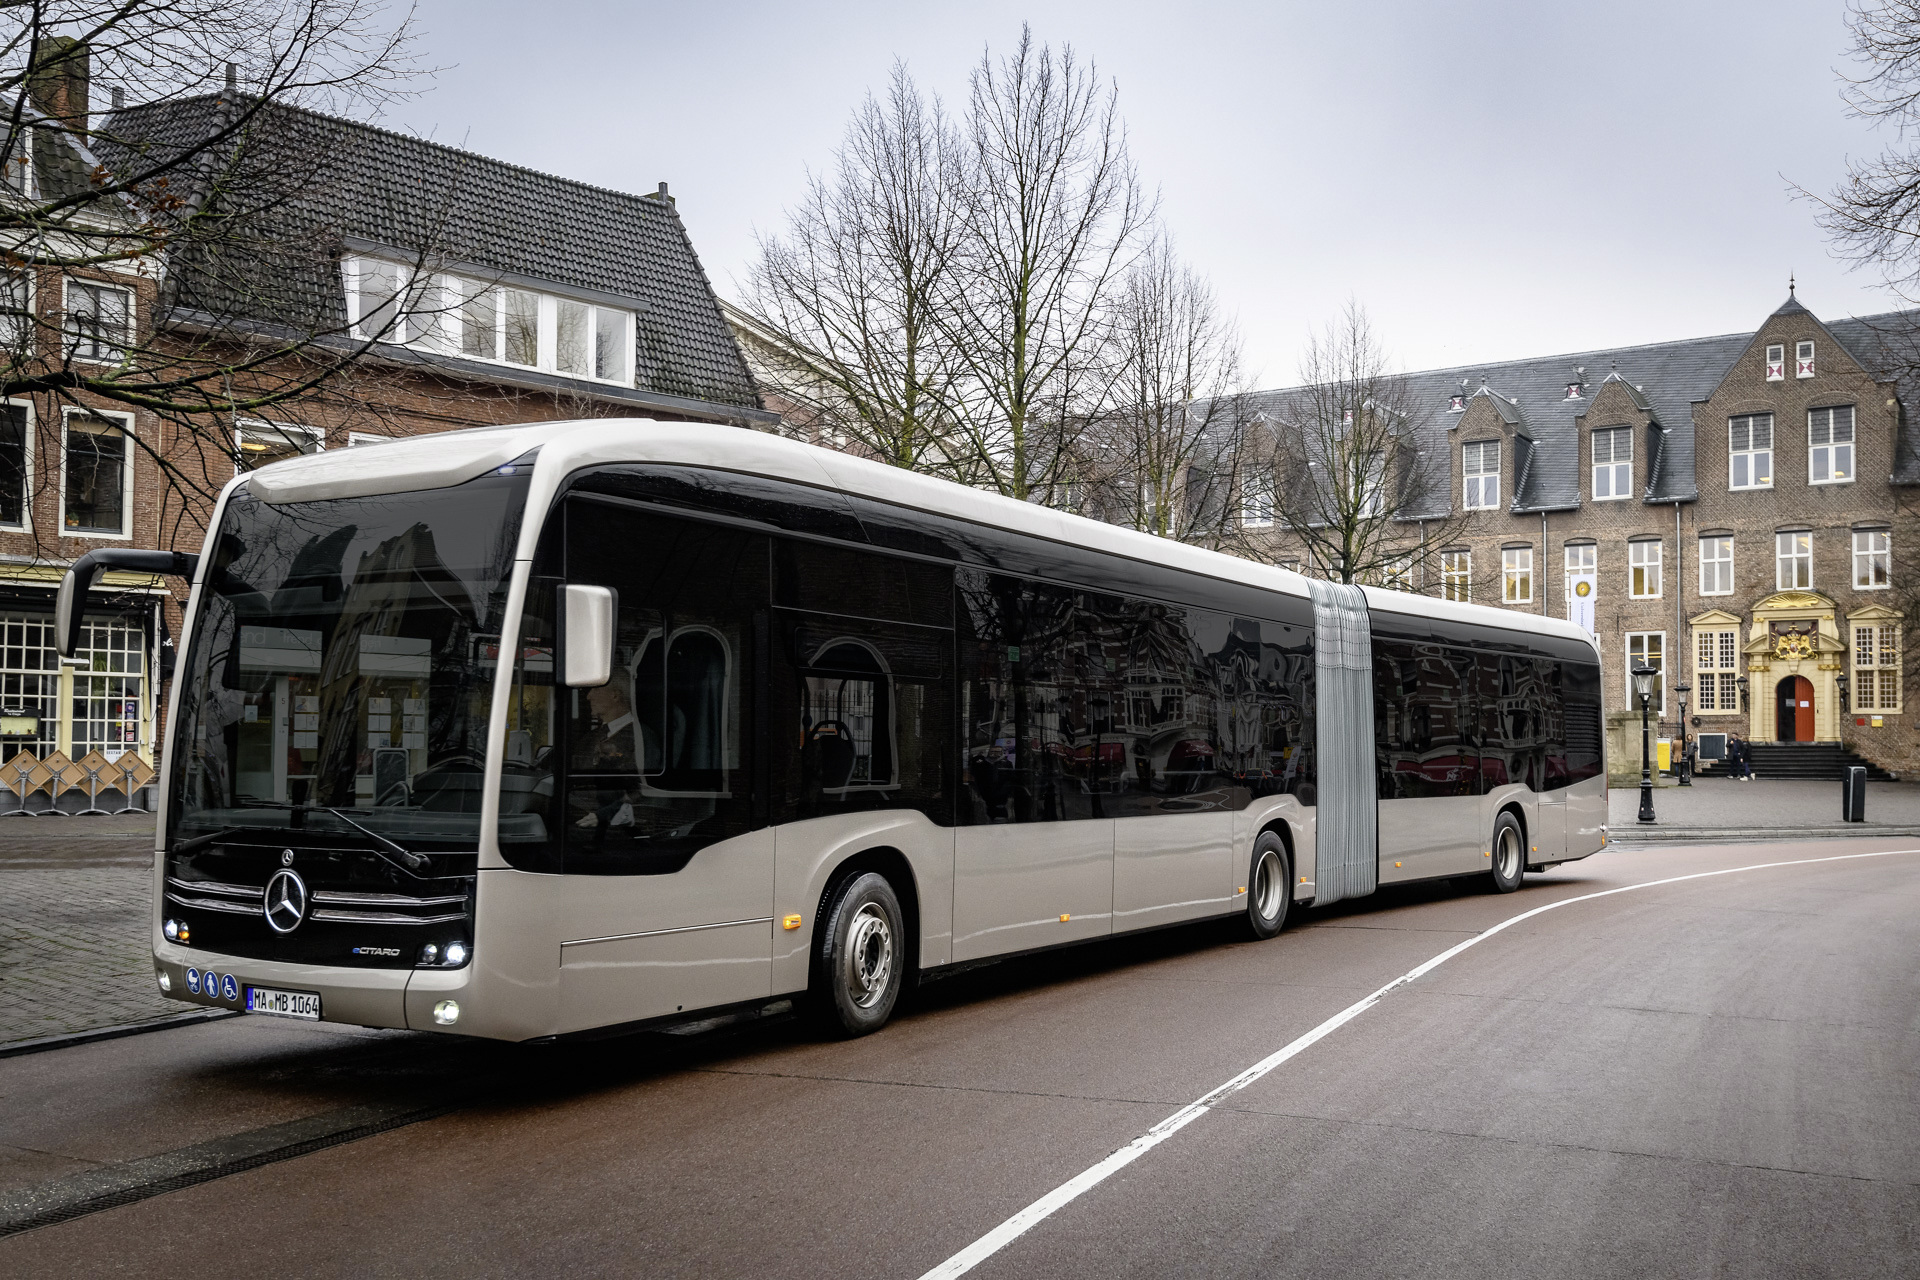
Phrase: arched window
(847, 719)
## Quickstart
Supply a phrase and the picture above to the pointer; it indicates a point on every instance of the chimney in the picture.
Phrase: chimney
(57, 82)
(662, 196)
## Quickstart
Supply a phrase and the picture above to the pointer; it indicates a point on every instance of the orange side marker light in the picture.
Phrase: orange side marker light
(791, 922)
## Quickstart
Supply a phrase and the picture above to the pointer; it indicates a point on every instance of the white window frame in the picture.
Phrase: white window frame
(1373, 478)
(1776, 362)
(1829, 452)
(126, 422)
(1256, 502)
(1480, 490)
(1456, 576)
(1516, 575)
(1803, 359)
(1794, 554)
(1659, 704)
(246, 428)
(357, 438)
(1871, 546)
(1578, 560)
(1716, 659)
(1882, 649)
(32, 434)
(445, 336)
(1717, 543)
(1751, 453)
(70, 338)
(1615, 466)
(1645, 562)
(23, 318)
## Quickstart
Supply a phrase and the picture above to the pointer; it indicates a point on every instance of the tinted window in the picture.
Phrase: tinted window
(1427, 727)
(1580, 697)
(846, 580)
(865, 716)
(658, 756)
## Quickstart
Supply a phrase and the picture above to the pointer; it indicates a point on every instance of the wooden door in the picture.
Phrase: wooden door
(1803, 709)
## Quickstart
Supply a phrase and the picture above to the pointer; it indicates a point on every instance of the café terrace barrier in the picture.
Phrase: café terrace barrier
(27, 778)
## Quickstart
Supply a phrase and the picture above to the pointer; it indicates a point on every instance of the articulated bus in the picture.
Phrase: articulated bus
(591, 726)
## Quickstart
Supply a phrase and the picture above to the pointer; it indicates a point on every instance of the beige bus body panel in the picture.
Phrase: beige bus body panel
(1169, 867)
(1023, 885)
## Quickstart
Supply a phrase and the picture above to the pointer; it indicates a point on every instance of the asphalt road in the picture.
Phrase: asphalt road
(1717, 1077)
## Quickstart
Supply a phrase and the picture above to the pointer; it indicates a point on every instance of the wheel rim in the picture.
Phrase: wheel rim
(869, 956)
(1266, 885)
(1509, 854)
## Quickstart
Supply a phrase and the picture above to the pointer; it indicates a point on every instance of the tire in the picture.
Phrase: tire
(1269, 886)
(1509, 855)
(860, 959)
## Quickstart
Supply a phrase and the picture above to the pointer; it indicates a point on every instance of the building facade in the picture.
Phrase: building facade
(1728, 510)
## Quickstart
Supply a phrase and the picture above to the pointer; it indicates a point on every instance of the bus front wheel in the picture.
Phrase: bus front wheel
(1269, 886)
(1509, 855)
(860, 962)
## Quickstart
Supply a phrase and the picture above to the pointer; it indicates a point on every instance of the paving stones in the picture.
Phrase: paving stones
(75, 901)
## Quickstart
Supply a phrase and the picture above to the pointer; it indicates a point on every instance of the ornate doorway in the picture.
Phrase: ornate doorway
(1794, 720)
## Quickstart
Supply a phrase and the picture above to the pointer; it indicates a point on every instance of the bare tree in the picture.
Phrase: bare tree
(1053, 215)
(1352, 488)
(1873, 216)
(176, 266)
(847, 296)
(1165, 455)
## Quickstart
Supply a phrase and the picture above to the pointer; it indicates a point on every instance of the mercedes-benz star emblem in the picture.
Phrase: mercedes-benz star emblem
(286, 901)
(286, 857)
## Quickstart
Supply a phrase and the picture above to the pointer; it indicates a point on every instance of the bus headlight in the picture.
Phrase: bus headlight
(447, 1012)
(456, 953)
(430, 954)
(166, 983)
(172, 929)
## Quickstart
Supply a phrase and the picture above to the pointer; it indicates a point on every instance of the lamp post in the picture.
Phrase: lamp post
(1846, 703)
(1643, 685)
(1686, 773)
(1742, 682)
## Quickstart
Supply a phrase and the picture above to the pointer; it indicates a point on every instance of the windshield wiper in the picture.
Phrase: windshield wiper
(405, 858)
(408, 858)
(188, 846)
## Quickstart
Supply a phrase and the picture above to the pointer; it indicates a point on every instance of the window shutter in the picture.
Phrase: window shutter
(1776, 363)
(1803, 360)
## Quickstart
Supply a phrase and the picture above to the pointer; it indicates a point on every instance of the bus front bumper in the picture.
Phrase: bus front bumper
(400, 999)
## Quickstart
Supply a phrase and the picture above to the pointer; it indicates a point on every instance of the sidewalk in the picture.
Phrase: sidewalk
(1722, 809)
(75, 898)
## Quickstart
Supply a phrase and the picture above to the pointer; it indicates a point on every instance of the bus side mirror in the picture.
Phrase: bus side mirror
(586, 637)
(70, 604)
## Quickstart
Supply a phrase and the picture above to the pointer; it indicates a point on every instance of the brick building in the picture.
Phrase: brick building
(511, 296)
(1729, 509)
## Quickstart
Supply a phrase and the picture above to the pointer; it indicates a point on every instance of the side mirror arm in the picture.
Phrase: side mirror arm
(71, 603)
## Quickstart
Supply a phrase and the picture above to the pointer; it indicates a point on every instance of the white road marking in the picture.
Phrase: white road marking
(1067, 1192)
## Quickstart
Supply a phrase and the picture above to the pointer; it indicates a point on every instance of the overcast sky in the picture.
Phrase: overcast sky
(1491, 180)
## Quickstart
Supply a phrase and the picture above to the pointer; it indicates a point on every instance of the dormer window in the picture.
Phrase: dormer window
(1480, 466)
(1573, 391)
(1456, 404)
(454, 315)
(1803, 360)
(1777, 362)
(16, 171)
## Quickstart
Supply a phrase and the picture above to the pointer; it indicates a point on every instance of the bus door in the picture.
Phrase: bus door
(667, 887)
(1549, 781)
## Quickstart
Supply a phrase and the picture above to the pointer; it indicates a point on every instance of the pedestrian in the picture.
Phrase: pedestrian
(1739, 758)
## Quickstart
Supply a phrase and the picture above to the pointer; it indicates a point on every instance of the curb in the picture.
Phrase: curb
(45, 1043)
(1748, 835)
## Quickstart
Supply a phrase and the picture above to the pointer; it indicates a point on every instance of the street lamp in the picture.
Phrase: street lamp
(1843, 681)
(1742, 682)
(1643, 685)
(1686, 774)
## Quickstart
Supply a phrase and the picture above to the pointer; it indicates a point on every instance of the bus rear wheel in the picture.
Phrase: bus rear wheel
(860, 963)
(1269, 886)
(1509, 855)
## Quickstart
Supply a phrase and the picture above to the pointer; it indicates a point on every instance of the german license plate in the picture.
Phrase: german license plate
(284, 1004)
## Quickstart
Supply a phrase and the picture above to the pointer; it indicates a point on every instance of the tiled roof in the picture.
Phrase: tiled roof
(388, 189)
(1666, 378)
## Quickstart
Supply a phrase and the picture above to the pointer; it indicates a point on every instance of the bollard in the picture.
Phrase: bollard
(1853, 795)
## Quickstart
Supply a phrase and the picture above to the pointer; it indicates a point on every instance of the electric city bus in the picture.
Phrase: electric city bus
(589, 726)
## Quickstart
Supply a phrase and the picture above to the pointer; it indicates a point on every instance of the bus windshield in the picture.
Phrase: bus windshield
(341, 669)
